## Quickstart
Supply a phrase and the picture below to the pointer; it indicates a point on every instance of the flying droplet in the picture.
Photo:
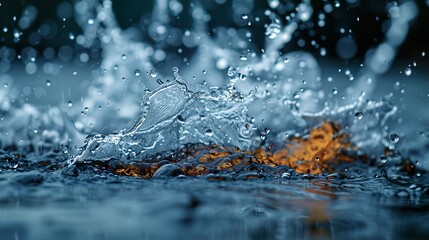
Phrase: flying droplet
(243, 58)
(394, 137)
(124, 56)
(273, 3)
(153, 73)
(335, 91)
(244, 16)
(136, 73)
(70, 104)
(408, 71)
(243, 77)
(359, 115)
(209, 132)
(232, 73)
(48, 83)
(272, 30)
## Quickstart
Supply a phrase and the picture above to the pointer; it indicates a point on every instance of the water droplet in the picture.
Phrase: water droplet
(359, 115)
(407, 71)
(204, 72)
(243, 58)
(273, 3)
(209, 132)
(6, 85)
(267, 130)
(272, 30)
(70, 104)
(243, 77)
(153, 73)
(175, 70)
(394, 137)
(232, 73)
(335, 91)
(136, 73)
(322, 52)
(124, 56)
(262, 136)
(244, 16)
(48, 83)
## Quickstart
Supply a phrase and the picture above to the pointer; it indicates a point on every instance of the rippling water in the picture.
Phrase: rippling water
(230, 141)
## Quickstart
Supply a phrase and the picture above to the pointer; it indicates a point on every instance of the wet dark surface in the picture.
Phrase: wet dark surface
(37, 201)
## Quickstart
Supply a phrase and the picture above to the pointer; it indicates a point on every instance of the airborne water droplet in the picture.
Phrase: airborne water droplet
(136, 73)
(394, 137)
(243, 77)
(273, 3)
(244, 16)
(48, 83)
(70, 104)
(153, 73)
(408, 71)
(272, 30)
(359, 115)
(209, 132)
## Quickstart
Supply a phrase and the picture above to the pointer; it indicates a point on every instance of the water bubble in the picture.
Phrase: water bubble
(136, 73)
(408, 71)
(359, 115)
(48, 83)
(209, 132)
(394, 137)
(153, 73)
(272, 30)
(244, 16)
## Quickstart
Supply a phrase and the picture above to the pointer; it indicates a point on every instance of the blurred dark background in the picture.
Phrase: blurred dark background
(51, 23)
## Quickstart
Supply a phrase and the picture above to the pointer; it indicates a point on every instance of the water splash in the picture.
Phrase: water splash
(173, 115)
(273, 90)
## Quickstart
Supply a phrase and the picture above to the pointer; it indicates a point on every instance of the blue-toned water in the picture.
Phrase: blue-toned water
(170, 130)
